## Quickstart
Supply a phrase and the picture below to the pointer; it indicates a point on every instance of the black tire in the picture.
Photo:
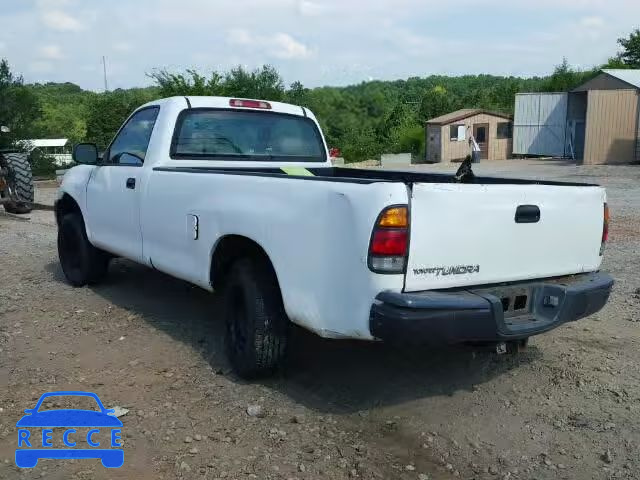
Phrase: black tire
(257, 325)
(82, 263)
(20, 181)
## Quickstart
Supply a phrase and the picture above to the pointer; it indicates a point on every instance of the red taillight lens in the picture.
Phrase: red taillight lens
(605, 228)
(389, 242)
(605, 225)
(236, 102)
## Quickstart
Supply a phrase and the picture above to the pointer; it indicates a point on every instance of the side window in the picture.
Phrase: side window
(457, 133)
(504, 130)
(130, 145)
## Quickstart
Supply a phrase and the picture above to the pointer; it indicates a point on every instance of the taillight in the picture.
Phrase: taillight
(605, 228)
(236, 102)
(389, 241)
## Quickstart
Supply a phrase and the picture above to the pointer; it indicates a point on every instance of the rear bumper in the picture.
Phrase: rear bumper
(480, 315)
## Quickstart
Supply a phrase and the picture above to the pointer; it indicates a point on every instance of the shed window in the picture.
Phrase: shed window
(457, 133)
(505, 130)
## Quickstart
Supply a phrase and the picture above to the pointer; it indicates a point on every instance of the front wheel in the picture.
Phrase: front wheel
(82, 263)
(257, 325)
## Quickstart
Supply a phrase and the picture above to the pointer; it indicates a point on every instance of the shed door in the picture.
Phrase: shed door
(434, 144)
(481, 134)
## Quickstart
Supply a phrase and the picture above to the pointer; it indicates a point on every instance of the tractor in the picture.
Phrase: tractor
(16, 180)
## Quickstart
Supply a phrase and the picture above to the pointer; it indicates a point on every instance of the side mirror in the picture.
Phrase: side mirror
(85, 153)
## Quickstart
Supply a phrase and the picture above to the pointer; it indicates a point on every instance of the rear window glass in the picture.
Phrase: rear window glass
(246, 135)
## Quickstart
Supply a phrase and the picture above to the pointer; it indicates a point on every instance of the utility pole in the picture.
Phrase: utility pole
(104, 69)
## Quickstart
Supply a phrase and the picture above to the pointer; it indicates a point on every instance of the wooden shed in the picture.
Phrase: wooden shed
(604, 118)
(447, 136)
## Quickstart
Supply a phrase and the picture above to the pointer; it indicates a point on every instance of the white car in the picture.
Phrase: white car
(239, 195)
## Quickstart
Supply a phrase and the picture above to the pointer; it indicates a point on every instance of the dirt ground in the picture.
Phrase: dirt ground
(566, 408)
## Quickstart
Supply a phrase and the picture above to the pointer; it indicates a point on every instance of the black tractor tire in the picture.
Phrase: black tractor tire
(82, 263)
(21, 182)
(256, 322)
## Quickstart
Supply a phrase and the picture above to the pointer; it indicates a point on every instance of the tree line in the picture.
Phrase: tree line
(361, 120)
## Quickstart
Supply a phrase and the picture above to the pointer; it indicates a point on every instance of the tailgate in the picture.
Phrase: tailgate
(464, 234)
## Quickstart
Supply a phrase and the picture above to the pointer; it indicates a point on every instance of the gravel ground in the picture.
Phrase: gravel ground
(568, 407)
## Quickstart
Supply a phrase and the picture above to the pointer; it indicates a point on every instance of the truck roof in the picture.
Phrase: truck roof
(225, 102)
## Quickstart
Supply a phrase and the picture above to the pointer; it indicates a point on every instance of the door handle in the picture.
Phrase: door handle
(131, 183)
(527, 214)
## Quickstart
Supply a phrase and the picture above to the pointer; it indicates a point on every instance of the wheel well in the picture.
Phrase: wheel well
(65, 206)
(229, 249)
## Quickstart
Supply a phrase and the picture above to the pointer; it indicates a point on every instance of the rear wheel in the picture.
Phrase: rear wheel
(82, 263)
(19, 182)
(257, 325)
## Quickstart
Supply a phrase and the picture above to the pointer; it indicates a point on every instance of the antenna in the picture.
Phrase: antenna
(104, 68)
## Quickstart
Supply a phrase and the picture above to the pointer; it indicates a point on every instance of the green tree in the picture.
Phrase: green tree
(64, 111)
(615, 62)
(108, 111)
(360, 144)
(189, 83)
(264, 83)
(297, 94)
(630, 54)
(565, 78)
(435, 102)
(19, 107)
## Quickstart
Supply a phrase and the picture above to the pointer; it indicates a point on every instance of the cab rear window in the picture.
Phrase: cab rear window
(213, 134)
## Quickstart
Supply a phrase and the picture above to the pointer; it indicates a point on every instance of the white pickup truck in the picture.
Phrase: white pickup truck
(239, 196)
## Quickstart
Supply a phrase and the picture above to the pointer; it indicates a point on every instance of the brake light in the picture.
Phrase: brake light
(390, 241)
(236, 102)
(605, 228)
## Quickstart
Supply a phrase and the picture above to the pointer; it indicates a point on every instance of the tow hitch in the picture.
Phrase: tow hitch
(514, 346)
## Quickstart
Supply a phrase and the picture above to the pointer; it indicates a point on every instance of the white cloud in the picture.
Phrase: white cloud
(279, 45)
(52, 4)
(285, 46)
(308, 8)
(40, 66)
(592, 22)
(51, 52)
(347, 40)
(591, 28)
(240, 36)
(122, 47)
(60, 21)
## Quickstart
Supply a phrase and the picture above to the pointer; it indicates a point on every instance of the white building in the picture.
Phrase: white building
(59, 149)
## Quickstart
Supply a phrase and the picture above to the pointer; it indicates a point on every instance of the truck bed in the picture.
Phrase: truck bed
(365, 175)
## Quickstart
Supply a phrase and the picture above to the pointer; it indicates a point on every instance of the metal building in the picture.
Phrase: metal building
(597, 122)
(540, 124)
(447, 136)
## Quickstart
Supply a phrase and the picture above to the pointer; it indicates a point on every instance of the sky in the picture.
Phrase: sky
(318, 42)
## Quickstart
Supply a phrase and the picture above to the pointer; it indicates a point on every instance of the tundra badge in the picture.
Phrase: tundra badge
(452, 270)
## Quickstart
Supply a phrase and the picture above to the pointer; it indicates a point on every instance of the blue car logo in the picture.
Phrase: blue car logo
(32, 447)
